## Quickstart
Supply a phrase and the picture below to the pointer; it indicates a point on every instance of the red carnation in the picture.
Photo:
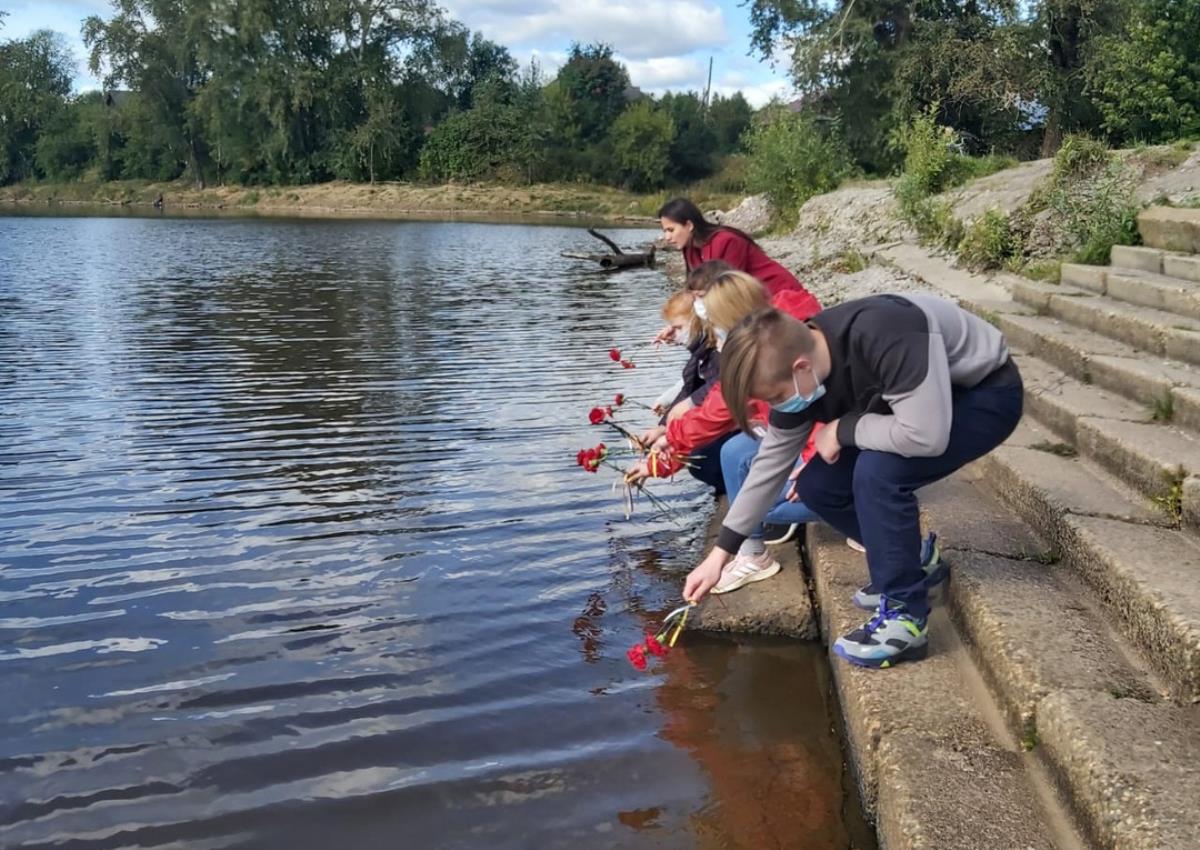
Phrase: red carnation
(619, 400)
(655, 647)
(615, 354)
(627, 364)
(637, 656)
(580, 457)
(598, 415)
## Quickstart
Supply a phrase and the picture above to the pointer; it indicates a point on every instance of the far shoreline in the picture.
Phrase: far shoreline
(539, 203)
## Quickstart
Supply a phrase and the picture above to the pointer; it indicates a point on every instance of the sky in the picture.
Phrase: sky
(666, 44)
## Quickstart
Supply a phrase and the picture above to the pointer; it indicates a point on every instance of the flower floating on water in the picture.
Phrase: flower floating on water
(598, 414)
(619, 400)
(615, 355)
(660, 645)
(655, 647)
(637, 656)
(627, 364)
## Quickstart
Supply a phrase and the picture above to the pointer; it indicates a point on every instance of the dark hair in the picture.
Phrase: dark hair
(704, 275)
(683, 210)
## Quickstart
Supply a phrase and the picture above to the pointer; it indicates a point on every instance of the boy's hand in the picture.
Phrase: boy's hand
(793, 495)
(827, 443)
(661, 445)
(705, 576)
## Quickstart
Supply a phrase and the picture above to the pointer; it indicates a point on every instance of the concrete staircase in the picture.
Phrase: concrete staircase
(1075, 589)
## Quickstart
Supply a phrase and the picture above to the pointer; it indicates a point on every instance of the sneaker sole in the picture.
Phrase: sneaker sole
(760, 575)
(916, 653)
(791, 533)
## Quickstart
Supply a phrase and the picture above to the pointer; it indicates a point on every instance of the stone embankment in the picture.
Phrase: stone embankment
(1060, 706)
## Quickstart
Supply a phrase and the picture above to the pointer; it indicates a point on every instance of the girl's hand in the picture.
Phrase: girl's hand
(705, 576)
(680, 409)
(667, 334)
(827, 443)
(661, 445)
(650, 435)
(638, 473)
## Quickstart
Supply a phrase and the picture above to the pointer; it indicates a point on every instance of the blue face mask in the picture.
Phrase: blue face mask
(799, 401)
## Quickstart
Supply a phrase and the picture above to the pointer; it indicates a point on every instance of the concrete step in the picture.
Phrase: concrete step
(1153, 331)
(1170, 263)
(1153, 458)
(1061, 675)
(1167, 385)
(1144, 288)
(1146, 575)
(1171, 228)
(935, 771)
(1133, 767)
(1172, 295)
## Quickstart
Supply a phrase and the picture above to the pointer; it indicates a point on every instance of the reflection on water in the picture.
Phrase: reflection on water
(293, 551)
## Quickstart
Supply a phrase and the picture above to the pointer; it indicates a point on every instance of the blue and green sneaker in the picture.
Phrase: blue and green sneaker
(936, 572)
(891, 636)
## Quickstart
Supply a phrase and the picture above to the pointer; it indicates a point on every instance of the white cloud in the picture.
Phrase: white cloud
(760, 93)
(636, 29)
(677, 72)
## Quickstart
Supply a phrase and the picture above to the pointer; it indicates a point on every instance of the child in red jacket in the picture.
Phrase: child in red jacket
(698, 435)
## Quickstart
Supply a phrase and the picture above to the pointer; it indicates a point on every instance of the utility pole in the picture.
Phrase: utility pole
(708, 87)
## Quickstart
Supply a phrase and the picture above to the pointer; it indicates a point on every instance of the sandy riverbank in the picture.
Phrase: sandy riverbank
(350, 200)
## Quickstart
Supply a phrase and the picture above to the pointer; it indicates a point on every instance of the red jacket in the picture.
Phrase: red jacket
(745, 255)
(712, 419)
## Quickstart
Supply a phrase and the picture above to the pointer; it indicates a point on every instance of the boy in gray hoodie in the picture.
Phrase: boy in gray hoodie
(912, 388)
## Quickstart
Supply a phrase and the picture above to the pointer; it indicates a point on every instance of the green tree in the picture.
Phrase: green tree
(731, 117)
(154, 47)
(1146, 78)
(594, 85)
(641, 139)
(694, 149)
(491, 140)
(35, 79)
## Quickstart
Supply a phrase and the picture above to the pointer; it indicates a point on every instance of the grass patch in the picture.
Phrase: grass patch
(1048, 271)
(1171, 502)
(850, 261)
(1163, 409)
(1057, 449)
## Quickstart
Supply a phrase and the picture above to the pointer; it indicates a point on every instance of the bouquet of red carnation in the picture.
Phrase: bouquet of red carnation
(659, 645)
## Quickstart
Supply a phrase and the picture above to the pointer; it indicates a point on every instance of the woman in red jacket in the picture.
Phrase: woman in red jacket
(700, 433)
(685, 227)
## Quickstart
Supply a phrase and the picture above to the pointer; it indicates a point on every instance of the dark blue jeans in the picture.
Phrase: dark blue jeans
(706, 463)
(870, 496)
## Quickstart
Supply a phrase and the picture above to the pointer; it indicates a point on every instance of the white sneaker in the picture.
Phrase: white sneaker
(855, 545)
(744, 569)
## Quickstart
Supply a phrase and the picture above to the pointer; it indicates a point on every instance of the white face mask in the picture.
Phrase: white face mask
(700, 309)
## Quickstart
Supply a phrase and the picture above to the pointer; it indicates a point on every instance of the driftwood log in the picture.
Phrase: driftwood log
(616, 260)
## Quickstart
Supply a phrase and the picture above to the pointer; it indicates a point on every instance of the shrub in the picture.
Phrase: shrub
(790, 158)
(1092, 193)
(988, 243)
(933, 161)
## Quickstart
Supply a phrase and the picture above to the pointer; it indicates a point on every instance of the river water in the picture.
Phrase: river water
(294, 553)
